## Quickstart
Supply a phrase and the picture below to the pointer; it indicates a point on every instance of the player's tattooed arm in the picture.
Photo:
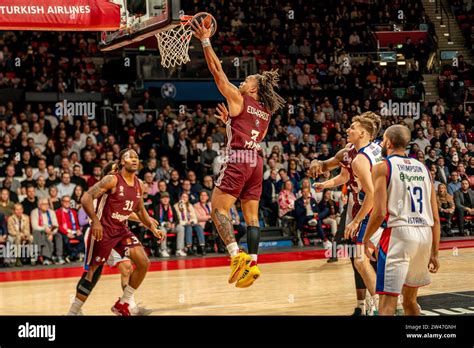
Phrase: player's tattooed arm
(107, 183)
(224, 227)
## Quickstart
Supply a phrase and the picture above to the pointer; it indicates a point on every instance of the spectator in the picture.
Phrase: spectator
(3, 239)
(174, 186)
(6, 206)
(41, 171)
(186, 188)
(307, 214)
(455, 184)
(329, 205)
(31, 201)
(421, 140)
(10, 174)
(270, 198)
(188, 219)
(45, 233)
(54, 201)
(446, 207)
(76, 197)
(41, 189)
(207, 157)
(294, 129)
(203, 210)
(168, 219)
(77, 178)
(65, 188)
(69, 229)
(286, 200)
(442, 171)
(28, 181)
(164, 171)
(208, 185)
(464, 200)
(52, 179)
(95, 177)
(19, 231)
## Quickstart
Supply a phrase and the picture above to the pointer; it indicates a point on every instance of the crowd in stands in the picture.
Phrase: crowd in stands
(47, 163)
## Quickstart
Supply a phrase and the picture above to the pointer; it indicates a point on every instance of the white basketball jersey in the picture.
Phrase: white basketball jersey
(409, 193)
(373, 152)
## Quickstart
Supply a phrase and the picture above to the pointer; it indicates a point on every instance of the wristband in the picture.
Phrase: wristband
(206, 42)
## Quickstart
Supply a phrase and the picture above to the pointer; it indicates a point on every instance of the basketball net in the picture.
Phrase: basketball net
(174, 43)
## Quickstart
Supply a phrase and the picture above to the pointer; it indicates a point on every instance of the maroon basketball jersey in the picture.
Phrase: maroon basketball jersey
(115, 208)
(352, 184)
(246, 130)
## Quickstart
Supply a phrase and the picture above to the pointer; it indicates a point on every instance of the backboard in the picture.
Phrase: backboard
(160, 15)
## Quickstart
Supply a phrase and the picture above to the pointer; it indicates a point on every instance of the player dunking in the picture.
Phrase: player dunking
(250, 109)
(109, 230)
(356, 161)
(409, 245)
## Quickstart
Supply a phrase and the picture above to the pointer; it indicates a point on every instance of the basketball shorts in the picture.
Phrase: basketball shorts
(404, 255)
(351, 213)
(115, 258)
(98, 252)
(242, 175)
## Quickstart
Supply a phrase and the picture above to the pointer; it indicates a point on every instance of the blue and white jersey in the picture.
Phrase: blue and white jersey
(409, 192)
(373, 152)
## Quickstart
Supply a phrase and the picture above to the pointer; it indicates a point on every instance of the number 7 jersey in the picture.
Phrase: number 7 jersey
(409, 192)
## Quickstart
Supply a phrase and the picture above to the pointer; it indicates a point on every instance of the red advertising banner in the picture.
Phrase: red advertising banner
(399, 37)
(60, 15)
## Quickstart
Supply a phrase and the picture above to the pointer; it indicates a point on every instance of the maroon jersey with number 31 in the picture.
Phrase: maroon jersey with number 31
(115, 209)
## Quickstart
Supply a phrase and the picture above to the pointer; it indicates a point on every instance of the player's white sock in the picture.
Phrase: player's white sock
(375, 302)
(233, 249)
(127, 294)
(75, 307)
(254, 257)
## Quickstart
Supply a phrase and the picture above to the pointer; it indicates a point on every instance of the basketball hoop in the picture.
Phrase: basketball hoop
(173, 43)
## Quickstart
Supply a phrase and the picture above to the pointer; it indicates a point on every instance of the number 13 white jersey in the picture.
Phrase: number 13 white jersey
(409, 192)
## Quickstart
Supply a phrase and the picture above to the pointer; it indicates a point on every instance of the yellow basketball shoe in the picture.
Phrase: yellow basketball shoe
(250, 274)
(238, 264)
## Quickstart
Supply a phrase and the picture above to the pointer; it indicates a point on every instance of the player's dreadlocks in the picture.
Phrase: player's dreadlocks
(267, 95)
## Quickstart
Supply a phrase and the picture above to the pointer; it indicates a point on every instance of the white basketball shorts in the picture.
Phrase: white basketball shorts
(404, 255)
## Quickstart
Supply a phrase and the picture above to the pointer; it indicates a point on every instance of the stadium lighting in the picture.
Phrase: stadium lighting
(402, 62)
(383, 63)
(446, 34)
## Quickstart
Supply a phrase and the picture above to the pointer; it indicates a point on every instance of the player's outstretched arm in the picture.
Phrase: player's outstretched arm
(228, 90)
(379, 211)
(361, 168)
(338, 180)
(134, 217)
(436, 230)
(107, 183)
(319, 167)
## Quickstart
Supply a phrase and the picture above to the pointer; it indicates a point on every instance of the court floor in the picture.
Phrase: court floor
(309, 287)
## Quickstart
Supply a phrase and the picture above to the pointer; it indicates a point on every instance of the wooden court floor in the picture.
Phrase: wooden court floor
(310, 287)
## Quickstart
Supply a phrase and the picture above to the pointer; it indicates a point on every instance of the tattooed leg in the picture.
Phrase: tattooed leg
(224, 226)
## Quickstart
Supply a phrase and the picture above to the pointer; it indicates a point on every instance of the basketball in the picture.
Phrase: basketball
(207, 19)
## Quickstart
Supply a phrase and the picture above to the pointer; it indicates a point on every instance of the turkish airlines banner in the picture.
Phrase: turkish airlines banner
(59, 15)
